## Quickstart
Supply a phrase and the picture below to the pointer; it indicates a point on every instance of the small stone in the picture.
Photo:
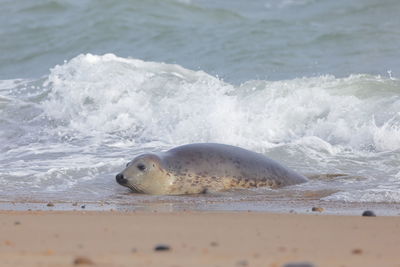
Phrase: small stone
(357, 251)
(368, 213)
(9, 243)
(317, 209)
(162, 248)
(17, 223)
(50, 204)
(49, 252)
(242, 263)
(83, 260)
(299, 264)
(214, 244)
(134, 250)
(83, 206)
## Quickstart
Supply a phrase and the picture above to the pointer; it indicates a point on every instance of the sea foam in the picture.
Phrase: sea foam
(149, 101)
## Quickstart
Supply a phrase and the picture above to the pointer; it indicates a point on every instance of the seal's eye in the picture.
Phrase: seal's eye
(141, 167)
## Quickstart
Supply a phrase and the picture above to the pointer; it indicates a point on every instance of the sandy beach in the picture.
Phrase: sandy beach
(110, 238)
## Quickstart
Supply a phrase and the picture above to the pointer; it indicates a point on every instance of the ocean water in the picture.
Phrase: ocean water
(85, 86)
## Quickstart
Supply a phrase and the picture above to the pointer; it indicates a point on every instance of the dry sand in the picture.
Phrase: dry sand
(54, 238)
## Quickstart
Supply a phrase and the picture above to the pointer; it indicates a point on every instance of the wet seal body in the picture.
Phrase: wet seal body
(198, 168)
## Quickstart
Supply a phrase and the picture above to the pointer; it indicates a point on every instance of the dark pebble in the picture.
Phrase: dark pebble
(299, 264)
(17, 223)
(317, 209)
(214, 244)
(83, 206)
(368, 213)
(83, 260)
(242, 263)
(162, 248)
(50, 204)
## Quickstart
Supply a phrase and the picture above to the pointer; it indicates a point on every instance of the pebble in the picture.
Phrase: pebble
(368, 213)
(162, 248)
(83, 206)
(50, 204)
(357, 251)
(317, 209)
(49, 252)
(242, 263)
(83, 260)
(17, 223)
(214, 244)
(9, 243)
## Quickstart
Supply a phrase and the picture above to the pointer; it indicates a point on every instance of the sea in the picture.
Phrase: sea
(85, 86)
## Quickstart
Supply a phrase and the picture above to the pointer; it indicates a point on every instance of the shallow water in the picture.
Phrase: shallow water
(311, 84)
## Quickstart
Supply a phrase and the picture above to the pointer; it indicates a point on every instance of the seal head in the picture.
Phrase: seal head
(144, 174)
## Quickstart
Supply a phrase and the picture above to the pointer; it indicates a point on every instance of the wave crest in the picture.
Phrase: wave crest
(149, 101)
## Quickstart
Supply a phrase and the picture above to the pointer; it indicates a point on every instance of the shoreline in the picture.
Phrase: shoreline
(277, 206)
(113, 238)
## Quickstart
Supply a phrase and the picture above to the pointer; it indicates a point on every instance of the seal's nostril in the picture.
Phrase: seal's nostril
(120, 179)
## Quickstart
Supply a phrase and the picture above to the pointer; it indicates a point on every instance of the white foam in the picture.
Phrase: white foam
(148, 101)
(386, 195)
(387, 136)
(145, 100)
(11, 83)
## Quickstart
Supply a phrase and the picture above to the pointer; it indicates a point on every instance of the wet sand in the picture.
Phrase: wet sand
(110, 238)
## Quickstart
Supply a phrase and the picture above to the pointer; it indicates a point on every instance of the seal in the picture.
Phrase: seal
(202, 167)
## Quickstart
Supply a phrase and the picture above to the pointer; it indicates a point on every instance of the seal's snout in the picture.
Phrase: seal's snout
(120, 179)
